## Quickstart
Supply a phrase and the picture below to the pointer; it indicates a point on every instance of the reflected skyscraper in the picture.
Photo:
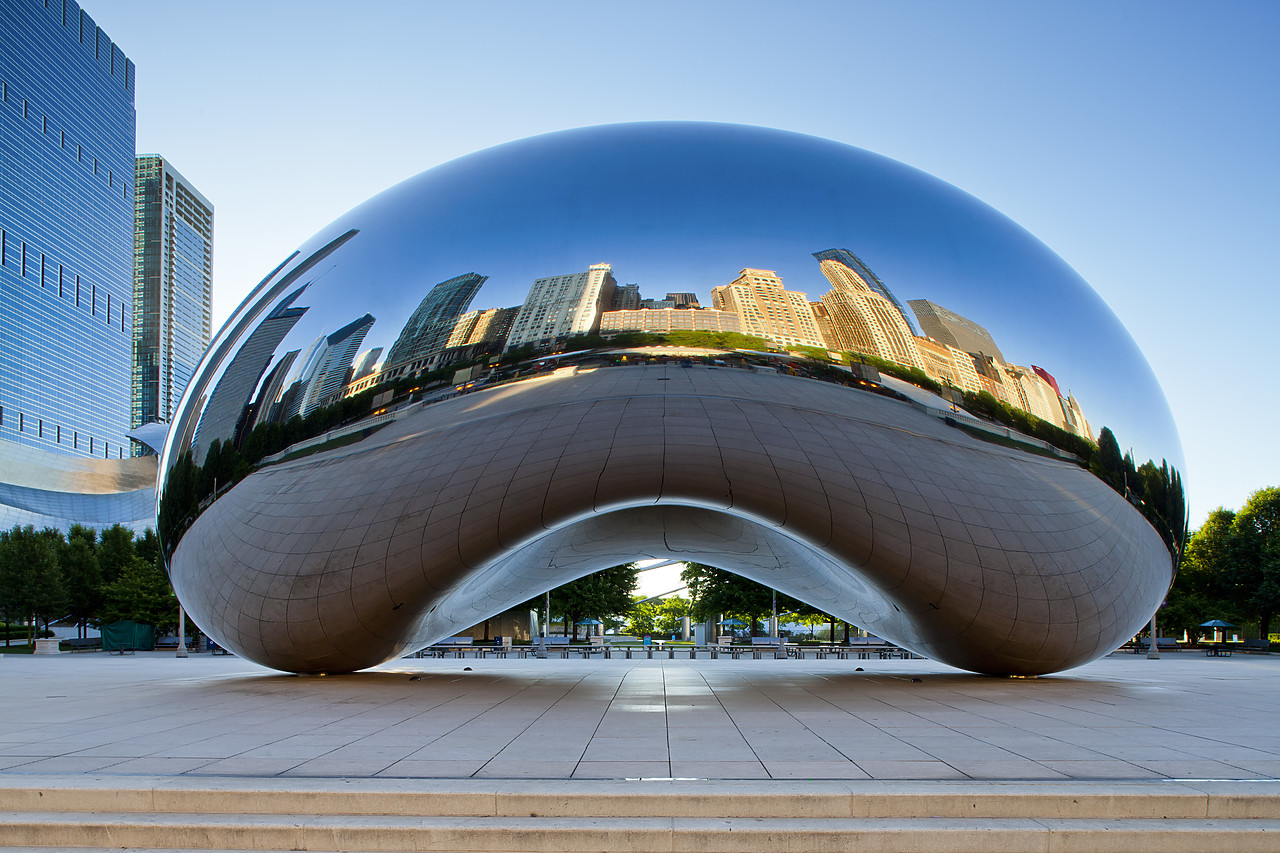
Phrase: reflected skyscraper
(267, 407)
(768, 310)
(670, 319)
(868, 278)
(365, 363)
(862, 318)
(226, 410)
(561, 306)
(172, 286)
(429, 326)
(333, 364)
(954, 330)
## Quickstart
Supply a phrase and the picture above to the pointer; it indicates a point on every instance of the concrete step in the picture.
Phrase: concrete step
(76, 830)
(505, 816)
(1092, 800)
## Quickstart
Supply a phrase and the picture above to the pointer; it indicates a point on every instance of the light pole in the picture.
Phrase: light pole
(1153, 651)
(182, 632)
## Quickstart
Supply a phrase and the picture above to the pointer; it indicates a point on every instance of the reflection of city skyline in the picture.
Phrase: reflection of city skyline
(858, 315)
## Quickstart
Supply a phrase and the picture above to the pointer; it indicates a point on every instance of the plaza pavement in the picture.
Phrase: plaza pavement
(1182, 717)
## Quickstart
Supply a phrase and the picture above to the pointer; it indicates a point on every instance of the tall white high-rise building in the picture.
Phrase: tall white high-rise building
(172, 286)
(562, 306)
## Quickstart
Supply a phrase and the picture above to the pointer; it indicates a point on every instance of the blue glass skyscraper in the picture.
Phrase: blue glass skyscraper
(66, 232)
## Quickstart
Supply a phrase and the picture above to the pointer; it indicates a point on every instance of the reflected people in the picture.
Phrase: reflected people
(499, 376)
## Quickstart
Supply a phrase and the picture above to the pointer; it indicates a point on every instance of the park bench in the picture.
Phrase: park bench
(83, 644)
(1256, 647)
(1163, 644)
(455, 645)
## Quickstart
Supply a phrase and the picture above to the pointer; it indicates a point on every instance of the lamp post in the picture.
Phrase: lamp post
(182, 632)
(1153, 651)
(546, 628)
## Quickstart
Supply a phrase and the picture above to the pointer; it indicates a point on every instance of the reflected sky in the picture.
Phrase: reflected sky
(685, 207)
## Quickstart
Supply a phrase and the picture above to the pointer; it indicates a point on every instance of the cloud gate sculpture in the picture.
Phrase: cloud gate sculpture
(770, 353)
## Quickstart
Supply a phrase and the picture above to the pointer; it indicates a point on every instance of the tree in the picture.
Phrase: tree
(1254, 562)
(670, 614)
(1108, 463)
(716, 591)
(642, 618)
(15, 581)
(30, 582)
(663, 616)
(115, 552)
(604, 593)
(81, 575)
(147, 547)
(141, 593)
(1202, 590)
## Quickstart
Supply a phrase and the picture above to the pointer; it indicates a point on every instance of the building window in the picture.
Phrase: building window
(75, 441)
(40, 428)
(59, 439)
(91, 444)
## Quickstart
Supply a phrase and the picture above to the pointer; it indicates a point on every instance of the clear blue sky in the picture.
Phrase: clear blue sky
(1139, 140)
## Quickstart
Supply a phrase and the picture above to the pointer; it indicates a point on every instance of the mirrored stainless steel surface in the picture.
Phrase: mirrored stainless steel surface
(964, 451)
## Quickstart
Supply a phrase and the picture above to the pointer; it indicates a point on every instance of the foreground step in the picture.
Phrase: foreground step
(521, 816)
(1096, 800)
(71, 830)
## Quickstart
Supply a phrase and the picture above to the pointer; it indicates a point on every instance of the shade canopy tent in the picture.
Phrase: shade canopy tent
(128, 636)
(1216, 625)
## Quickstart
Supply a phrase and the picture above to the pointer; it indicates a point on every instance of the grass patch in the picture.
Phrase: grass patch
(1005, 441)
(334, 444)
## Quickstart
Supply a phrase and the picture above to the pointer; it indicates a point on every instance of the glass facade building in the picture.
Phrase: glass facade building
(66, 223)
(172, 287)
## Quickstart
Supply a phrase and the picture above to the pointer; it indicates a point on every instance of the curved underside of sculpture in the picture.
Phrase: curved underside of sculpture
(871, 509)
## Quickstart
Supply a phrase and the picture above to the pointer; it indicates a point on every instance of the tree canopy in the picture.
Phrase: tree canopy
(1230, 568)
(90, 577)
(716, 591)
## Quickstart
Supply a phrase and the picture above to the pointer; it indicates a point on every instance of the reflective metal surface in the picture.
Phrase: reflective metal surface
(372, 457)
